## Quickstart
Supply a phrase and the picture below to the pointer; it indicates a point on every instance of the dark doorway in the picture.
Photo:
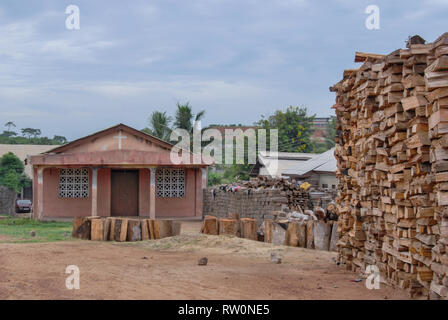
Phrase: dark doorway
(124, 193)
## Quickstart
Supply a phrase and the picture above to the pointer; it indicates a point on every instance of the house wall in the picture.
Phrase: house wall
(328, 179)
(181, 207)
(53, 206)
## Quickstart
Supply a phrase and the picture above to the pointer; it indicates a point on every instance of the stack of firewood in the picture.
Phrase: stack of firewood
(389, 158)
(435, 226)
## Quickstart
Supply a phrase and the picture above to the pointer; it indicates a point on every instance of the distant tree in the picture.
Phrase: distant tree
(159, 125)
(8, 134)
(294, 129)
(329, 141)
(59, 140)
(184, 118)
(12, 172)
(10, 124)
(31, 132)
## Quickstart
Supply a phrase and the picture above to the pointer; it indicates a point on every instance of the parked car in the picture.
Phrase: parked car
(23, 205)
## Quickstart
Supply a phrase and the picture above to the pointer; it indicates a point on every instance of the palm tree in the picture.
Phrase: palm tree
(159, 125)
(184, 117)
(10, 124)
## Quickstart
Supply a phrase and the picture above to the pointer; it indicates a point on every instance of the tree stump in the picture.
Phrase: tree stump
(322, 233)
(292, 234)
(145, 229)
(310, 234)
(99, 229)
(229, 226)
(82, 228)
(248, 228)
(210, 225)
(134, 232)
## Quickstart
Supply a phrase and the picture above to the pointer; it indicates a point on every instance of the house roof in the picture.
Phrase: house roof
(284, 161)
(95, 149)
(22, 151)
(324, 162)
(117, 127)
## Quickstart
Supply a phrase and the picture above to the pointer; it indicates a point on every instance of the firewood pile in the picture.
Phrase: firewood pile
(293, 195)
(392, 152)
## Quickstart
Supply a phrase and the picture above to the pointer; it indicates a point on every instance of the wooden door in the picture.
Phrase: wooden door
(124, 193)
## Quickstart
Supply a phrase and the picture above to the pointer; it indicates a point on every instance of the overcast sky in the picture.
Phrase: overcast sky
(237, 59)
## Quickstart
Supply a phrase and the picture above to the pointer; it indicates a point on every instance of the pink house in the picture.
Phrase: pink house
(119, 171)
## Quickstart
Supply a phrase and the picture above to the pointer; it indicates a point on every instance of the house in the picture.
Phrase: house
(119, 171)
(274, 164)
(22, 151)
(319, 171)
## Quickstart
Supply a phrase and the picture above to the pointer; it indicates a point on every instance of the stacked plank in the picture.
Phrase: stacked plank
(123, 229)
(435, 226)
(391, 152)
(295, 198)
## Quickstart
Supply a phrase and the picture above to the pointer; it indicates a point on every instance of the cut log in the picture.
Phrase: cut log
(322, 234)
(145, 229)
(120, 229)
(292, 234)
(82, 228)
(229, 227)
(267, 231)
(334, 236)
(279, 232)
(248, 228)
(165, 228)
(302, 234)
(152, 229)
(310, 234)
(99, 231)
(134, 232)
(210, 225)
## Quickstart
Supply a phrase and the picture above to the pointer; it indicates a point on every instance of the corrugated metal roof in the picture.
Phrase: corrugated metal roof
(324, 162)
(276, 163)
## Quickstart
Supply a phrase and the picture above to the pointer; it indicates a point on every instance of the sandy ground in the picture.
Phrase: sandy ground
(168, 269)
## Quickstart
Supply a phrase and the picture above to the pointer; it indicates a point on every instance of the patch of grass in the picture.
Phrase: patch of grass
(18, 229)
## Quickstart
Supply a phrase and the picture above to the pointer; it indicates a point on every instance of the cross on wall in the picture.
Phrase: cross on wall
(120, 137)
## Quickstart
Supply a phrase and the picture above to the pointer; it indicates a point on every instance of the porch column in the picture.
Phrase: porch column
(152, 193)
(40, 193)
(94, 192)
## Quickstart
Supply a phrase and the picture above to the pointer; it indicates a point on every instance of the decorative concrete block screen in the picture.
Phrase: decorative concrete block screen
(74, 183)
(170, 183)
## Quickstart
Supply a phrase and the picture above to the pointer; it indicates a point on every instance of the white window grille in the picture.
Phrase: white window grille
(74, 183)
(170, 183)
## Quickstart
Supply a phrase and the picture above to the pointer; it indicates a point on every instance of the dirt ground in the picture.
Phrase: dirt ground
(168, 269)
